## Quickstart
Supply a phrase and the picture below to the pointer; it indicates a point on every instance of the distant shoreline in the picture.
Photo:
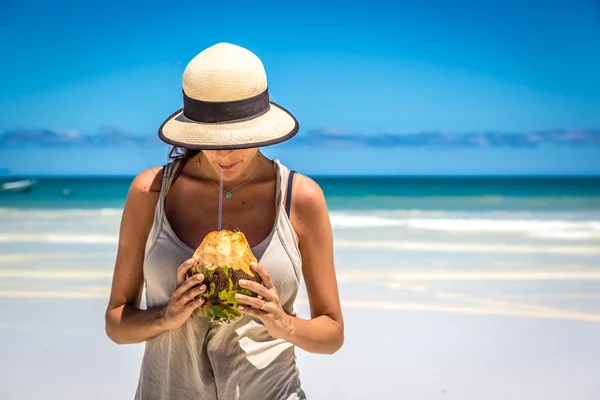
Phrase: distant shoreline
(498, 177)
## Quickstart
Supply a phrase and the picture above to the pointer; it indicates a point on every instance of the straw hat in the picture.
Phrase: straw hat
(226, 104)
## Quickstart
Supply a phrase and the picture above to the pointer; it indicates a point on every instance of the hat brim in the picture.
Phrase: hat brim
(275, 126)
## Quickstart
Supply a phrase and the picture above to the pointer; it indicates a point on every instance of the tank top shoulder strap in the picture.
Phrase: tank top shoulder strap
(168, 174)
(289, 238)
(170, 170)
(285, 186)
(288, 193)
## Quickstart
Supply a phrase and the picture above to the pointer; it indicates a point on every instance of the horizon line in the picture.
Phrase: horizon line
(332, 176)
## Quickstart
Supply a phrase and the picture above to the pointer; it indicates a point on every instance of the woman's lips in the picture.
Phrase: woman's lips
(228, 166)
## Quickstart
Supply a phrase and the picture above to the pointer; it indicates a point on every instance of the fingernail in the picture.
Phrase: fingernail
(200, 277)
(190, 261)
(241, 308)
(253, 264)
(242, 282)
(203, 287)
(238, 296)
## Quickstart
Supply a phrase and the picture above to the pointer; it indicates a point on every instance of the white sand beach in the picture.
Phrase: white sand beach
(487, 313)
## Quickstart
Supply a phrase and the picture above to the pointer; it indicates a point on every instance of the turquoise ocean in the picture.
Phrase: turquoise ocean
(497, 245)
(357, 193)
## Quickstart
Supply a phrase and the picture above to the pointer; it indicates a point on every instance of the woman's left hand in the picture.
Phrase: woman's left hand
(266, 306)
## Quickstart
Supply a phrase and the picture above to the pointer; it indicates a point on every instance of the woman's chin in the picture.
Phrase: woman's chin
(232, 172)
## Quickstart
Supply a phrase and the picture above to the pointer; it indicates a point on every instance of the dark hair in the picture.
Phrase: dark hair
(181, 154)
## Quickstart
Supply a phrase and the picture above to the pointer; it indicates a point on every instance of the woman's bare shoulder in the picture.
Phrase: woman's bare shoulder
(309, 208)
(140, 204)
(307, 193)
(147, 181)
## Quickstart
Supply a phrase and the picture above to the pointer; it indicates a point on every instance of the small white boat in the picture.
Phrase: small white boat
(22, 186)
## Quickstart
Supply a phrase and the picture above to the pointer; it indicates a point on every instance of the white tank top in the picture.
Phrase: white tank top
(204, 360)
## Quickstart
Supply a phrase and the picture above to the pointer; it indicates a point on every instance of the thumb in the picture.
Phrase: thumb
(183, 269)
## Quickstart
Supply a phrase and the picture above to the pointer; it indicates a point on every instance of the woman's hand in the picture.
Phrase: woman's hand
(266, 307)
(183, 300)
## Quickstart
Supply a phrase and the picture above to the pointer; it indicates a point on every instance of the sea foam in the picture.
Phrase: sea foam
(541, 228)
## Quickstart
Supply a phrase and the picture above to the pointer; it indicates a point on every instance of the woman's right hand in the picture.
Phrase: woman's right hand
(183, 300)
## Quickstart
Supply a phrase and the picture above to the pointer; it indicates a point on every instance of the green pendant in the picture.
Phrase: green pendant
(228, 195)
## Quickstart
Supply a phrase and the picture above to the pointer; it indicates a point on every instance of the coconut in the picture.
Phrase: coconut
(224, 258)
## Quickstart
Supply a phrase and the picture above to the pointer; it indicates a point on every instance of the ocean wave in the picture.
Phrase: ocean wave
(55, 294)
(567, 227)
(58, 238)
(404, 245)
(551, 229)
(40, 213)
(393, 277)
(56, 274)
(11, 258)
(450, 247)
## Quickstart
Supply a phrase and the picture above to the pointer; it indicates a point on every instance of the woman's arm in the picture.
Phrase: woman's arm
(125, 321)
(324, 332)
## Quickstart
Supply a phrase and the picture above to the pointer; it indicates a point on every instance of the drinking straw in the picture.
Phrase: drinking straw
(220, 198)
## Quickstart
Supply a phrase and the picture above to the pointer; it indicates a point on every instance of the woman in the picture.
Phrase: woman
(226, 117)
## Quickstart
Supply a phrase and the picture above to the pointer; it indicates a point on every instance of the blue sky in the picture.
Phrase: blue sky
(361, 67)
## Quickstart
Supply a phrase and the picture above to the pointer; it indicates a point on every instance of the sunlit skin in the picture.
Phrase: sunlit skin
(237, 165)
(191, 207)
